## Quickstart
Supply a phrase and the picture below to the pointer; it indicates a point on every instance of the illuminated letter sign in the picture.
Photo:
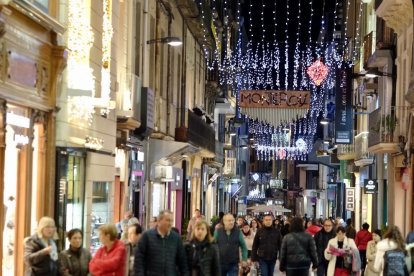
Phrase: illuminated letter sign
(274, 99)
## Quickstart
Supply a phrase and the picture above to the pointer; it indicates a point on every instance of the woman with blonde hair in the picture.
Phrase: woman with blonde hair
(371, 253)
(110, 259)
(393, 241)
(202, 253)
(40, 250)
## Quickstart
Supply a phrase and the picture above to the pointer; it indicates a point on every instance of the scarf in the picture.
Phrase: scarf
(53, 254)
(199, 247)
(246, 234)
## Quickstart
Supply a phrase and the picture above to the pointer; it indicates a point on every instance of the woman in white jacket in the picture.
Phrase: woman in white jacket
(340, 242)
(392, 240)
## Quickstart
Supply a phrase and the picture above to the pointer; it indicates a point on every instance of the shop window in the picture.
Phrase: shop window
(17, 139)
(158, 198)
(101, 212)
(71, 193)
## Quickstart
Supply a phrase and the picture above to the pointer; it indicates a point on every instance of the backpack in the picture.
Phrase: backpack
(394, 263)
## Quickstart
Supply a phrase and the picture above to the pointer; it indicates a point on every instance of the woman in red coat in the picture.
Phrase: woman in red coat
(110, 258)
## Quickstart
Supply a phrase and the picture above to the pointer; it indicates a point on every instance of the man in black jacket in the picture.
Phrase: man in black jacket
(160, 251)
(266, 244)
(321, 241)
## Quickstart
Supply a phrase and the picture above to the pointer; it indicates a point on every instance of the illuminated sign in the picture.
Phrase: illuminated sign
(371, 186)
(274, 99)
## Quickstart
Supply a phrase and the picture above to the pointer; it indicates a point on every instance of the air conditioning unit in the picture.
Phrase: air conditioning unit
(164, 173)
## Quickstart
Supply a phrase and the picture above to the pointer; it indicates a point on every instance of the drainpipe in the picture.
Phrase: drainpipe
(168, 75)
(145, 209)
(144, 41)
(183, 76)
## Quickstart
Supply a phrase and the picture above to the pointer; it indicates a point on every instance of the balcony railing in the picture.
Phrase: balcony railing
(385, 127)
(200, 133)
(369, 47)
(363, 156)
(196, 132)
(346, 152)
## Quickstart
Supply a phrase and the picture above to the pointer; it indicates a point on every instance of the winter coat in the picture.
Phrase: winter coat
(348, 243)
(130, 258)
(371, 253)
(266, 244)
(161, 256)
(111, 262)
(249, 240)
(321, 241)
(362, 239)
(350, 232)
(37, 262)
(298, 251)
(382, 247)
(313, 229)
(74, 263)
(203, 256)
(229, 246)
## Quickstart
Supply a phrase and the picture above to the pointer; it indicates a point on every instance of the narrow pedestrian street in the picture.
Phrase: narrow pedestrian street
(206, 137)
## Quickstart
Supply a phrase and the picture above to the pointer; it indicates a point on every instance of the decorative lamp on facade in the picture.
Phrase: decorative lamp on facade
(172, 41)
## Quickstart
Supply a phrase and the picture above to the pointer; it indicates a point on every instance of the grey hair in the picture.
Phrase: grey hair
(163, 213)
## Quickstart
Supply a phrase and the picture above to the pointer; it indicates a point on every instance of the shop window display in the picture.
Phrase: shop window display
(100, 212)
(17, 129)
(71, 187)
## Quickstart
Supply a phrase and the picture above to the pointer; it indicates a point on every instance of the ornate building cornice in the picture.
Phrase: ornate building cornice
(398, 14)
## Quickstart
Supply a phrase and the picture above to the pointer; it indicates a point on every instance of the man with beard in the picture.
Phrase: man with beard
(321, 240)
(266, 244)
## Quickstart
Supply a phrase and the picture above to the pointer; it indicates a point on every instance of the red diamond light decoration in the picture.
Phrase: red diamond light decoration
(318, 72)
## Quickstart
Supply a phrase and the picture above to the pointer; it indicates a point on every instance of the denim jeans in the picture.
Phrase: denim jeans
(267, 267)
(229, 269)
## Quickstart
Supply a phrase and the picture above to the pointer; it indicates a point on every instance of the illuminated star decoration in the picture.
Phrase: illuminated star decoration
(318, 72)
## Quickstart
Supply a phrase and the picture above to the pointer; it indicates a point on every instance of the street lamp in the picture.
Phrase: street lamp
(324, 121)
(375, 73)
(170, 40)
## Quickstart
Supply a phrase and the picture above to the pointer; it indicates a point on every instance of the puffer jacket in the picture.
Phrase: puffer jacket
(160, 256)
(266, 244)
(298, 252)
(382, 247)
(111, 262)
(38, 263)
(204, 256)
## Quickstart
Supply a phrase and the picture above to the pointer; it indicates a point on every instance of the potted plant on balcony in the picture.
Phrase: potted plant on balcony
(388, 124)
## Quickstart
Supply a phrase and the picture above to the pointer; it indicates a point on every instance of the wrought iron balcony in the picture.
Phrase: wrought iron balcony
(197, 132)
(385, 128)
(363, 156)
(368, 47)
(346, 152)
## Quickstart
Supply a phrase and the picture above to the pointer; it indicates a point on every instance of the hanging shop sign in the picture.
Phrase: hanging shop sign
(343, 117)
(274, 99)
(350, 199)
(371, 186)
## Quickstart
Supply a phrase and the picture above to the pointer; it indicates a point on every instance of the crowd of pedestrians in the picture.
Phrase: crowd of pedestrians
(232, 246)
